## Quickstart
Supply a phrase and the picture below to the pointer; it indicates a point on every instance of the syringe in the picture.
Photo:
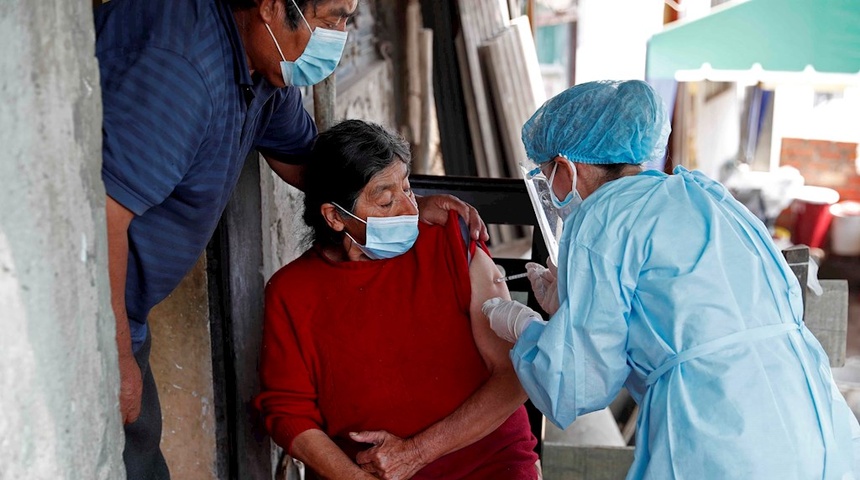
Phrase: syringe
(511, 277)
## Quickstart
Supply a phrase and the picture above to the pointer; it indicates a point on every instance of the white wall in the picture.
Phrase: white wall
(612, 37)
(718, 131)
(58, 375)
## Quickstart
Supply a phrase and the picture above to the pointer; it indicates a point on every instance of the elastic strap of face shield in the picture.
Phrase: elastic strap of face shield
(534, 168)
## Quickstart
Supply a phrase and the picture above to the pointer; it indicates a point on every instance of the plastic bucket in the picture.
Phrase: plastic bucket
(811, 209)
(845, 228)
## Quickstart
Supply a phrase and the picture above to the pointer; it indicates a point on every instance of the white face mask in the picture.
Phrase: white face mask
(386, 237)
(317, 61)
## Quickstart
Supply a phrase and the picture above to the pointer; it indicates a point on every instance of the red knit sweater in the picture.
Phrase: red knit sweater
(382, 345)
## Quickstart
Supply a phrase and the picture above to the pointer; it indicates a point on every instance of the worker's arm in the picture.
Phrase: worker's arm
(131, 384)
(319, 453)
(481, 413)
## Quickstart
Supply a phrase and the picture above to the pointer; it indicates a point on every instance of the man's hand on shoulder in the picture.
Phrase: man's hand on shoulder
(433, 209)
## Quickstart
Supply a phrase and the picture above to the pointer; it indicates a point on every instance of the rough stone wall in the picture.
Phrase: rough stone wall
(58, 375)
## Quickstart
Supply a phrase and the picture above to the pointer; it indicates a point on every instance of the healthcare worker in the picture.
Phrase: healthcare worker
(670, 287)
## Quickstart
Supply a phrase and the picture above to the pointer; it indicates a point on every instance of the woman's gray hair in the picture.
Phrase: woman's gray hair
(343, 160)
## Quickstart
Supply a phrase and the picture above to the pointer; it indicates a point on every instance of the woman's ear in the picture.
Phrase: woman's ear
(332, 217)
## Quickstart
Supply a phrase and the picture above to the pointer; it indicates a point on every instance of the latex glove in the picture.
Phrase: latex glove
(509, 318)
(544, 285)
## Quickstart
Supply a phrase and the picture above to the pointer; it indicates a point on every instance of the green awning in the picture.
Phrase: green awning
(779, 35)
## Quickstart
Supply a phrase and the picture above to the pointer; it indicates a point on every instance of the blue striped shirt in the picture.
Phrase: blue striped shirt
(181, 113)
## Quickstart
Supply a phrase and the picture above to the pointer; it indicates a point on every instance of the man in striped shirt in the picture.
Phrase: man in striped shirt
(189, 89)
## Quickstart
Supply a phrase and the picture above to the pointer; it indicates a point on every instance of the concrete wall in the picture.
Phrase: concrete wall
(58, 374)
(718, 128)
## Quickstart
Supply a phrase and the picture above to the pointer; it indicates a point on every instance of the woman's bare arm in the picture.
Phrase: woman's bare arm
(319, 453)
(479, 415)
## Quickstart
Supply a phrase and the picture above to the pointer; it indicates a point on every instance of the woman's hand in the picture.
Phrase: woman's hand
(433, 209)
(391, 457)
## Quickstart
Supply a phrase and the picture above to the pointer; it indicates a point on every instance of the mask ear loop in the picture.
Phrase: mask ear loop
(349, 213)
(303, 17)
(552, 175)
(344, 228)
(276, 43)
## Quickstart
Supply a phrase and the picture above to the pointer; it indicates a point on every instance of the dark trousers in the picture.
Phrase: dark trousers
(142, 453)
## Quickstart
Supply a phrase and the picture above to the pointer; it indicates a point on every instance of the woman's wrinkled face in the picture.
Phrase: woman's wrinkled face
(387, 194)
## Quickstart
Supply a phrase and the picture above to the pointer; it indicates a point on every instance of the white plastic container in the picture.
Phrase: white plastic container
(845, 228)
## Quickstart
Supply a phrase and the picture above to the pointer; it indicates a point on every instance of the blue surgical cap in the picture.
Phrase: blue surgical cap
(600, 122)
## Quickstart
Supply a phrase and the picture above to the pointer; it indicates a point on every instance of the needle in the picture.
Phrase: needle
(511, 277)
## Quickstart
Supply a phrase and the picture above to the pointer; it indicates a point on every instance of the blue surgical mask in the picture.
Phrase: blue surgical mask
(386, 237)
(573, 199)
(319, 59)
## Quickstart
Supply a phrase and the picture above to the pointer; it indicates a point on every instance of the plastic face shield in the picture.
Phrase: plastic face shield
(548, 219)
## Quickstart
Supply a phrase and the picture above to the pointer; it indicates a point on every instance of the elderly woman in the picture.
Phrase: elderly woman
(376, 357)
(668, 285)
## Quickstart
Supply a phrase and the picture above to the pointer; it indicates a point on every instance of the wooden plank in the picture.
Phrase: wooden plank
(797, 257)
(413, 71)
(479, 21)
(826, 316)
(426, 119)
(456, 145)
(236, 287)
(471, 110)
(515, 8)
(325, 94)
(526, 43)
(498, 69)
(510, 63)
(565, 462)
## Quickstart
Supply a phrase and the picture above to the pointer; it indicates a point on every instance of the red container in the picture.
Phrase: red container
(811, 208)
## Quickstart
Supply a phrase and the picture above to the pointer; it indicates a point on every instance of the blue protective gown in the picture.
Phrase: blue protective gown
(671, 287)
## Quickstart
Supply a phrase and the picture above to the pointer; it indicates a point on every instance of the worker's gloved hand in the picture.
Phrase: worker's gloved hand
(544, 285)
(509, 318)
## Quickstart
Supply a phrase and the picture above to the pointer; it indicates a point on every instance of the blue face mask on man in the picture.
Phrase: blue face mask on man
(386, 237)
(319, 59)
